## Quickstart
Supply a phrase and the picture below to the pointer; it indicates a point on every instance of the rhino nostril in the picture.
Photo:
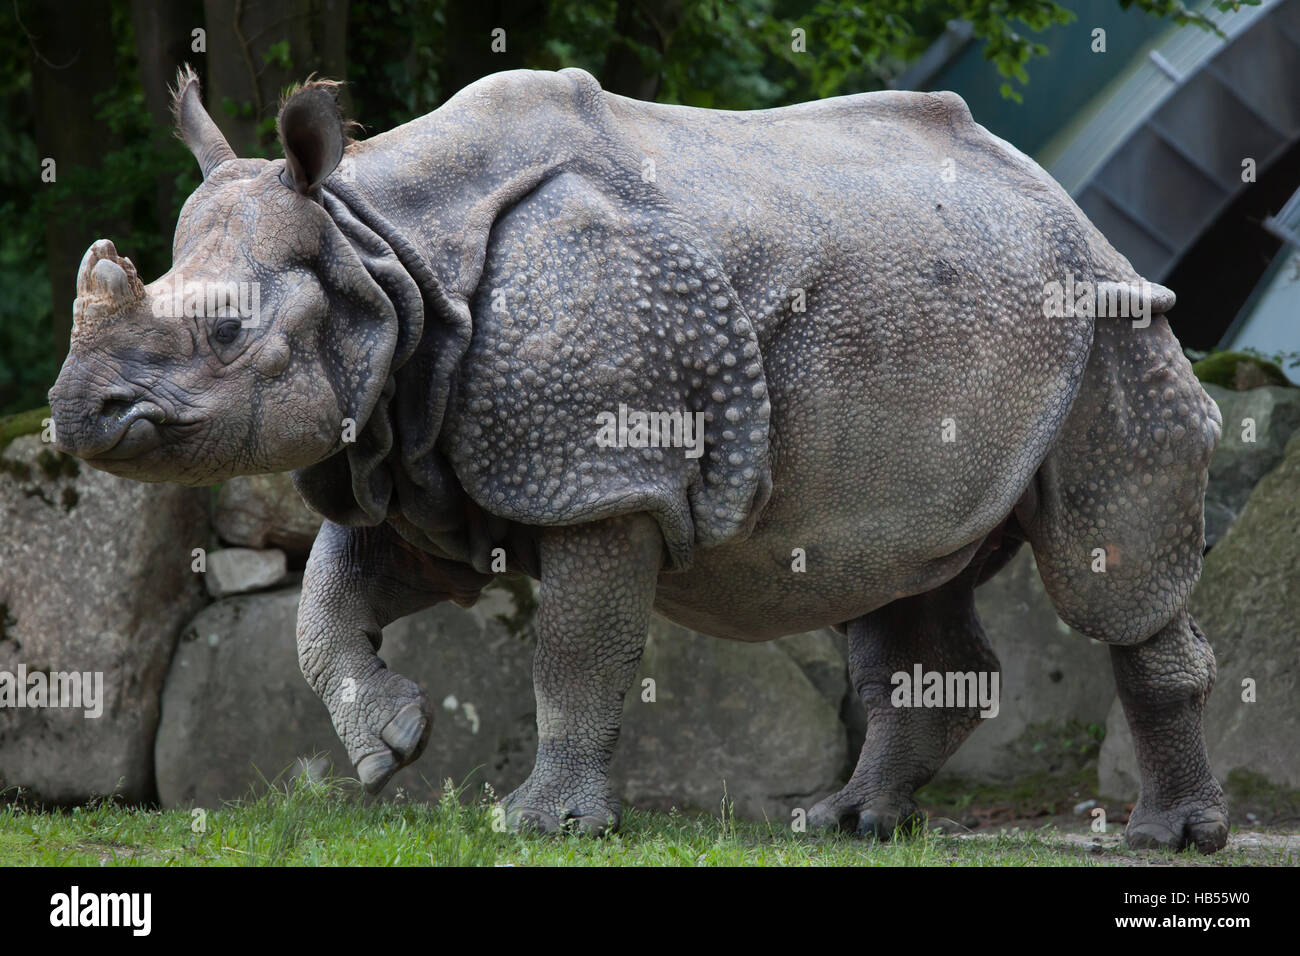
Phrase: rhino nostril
(114, 407)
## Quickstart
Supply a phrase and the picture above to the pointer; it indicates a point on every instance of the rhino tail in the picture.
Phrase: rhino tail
(1133, 297)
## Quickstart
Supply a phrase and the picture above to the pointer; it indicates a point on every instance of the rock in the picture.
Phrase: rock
(480, 676)
(822, 656)
(1051, 676)
(758, 720)
(1271, 415)
(1117, 768)
(236, 708)
(1238, 370)
(261, 511)
(1248, 605)
(95, 577)
(763, 718)
(240, 570)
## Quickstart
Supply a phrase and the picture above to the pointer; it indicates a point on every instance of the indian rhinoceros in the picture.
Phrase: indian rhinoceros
(758, 372)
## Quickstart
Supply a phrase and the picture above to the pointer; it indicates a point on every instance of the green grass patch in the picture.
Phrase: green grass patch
(329, 823)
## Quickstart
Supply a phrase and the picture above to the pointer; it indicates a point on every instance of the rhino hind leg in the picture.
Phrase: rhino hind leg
(1117, 535)
(905, 745)
(597, 593)
(1163, 684)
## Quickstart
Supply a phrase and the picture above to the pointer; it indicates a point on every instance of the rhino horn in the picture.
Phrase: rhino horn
(107, 283)
(195, 126)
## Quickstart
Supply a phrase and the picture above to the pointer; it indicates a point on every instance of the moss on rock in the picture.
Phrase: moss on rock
(1239, 371)
(22, 423)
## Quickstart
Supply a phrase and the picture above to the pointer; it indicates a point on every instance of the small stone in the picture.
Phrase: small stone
(240, 570)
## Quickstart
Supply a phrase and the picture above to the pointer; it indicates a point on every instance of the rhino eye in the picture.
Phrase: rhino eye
(226, 331)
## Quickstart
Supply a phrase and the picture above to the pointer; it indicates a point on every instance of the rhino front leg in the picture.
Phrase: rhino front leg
(597, 593)
(357, 581)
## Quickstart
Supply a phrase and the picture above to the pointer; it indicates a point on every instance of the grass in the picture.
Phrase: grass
(327, 823)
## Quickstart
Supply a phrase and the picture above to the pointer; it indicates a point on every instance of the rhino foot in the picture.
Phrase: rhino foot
(598, 587)
(547, 804)
(392, 725)
(1203, 825)
(881, 817)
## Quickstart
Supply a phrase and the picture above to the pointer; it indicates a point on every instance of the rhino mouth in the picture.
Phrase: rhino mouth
(133, 432)
(141, 436)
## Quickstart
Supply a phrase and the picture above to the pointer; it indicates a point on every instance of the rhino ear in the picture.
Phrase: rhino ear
(312, 135)
(194, 126)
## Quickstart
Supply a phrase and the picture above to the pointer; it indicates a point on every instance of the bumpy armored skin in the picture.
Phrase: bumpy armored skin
(1163, 683)
(358, 581)
(849, 297)
(598, 585)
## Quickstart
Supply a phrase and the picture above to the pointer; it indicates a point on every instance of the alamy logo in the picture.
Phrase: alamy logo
(636, 429)
(177, 298)
(74, 689)
(1119, 300)
(946, 689)
(134, 910)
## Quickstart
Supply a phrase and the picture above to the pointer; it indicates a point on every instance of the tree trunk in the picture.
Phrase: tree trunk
(72, 53)
(163, 41)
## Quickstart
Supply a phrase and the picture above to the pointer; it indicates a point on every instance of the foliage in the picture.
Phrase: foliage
(27, 362)
(123, 189)
(394, 49)
(728, 54)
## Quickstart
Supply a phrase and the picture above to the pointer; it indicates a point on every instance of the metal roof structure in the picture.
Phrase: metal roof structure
(1169, 150)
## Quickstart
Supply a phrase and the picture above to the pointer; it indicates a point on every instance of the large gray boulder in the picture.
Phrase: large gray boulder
(1117, 769)
(95, 577)
(764, 718)
(1269, 414)
(1248, 604)
(759, 723)
(236, 709)
(264, 511)
(1051, 676)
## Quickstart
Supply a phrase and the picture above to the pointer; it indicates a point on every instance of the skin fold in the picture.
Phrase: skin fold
(849, 293)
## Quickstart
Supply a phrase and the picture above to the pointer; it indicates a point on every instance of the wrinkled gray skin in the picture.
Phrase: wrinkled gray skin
(831, 284)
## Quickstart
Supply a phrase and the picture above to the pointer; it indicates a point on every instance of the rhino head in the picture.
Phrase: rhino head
(258, 345)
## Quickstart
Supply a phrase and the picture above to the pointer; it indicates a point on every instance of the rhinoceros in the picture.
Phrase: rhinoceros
(758, 372)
